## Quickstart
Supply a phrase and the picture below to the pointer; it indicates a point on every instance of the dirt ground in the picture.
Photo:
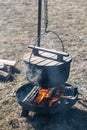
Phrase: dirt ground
(18, 29)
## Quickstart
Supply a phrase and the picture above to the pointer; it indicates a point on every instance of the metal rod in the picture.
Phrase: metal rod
(34, 95)
(39, 20)
(35, 88)
(39, 26)
(49, 51)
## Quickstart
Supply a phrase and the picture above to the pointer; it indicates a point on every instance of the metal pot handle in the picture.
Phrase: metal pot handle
(36, 48)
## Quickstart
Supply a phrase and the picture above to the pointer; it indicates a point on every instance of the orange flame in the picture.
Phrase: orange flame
(52, 101)
(47, 94)
(42, 94)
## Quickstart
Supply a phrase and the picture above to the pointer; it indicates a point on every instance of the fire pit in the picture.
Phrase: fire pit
(50, 101)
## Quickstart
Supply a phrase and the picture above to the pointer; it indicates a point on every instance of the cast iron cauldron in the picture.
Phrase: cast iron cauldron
(48, 68)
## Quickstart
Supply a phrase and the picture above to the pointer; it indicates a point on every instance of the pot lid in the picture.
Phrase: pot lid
(46, 59)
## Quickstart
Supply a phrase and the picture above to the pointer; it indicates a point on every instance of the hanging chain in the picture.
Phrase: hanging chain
(46, 14)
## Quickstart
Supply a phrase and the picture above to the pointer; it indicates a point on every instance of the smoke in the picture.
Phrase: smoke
(36, 75)
(33, 74)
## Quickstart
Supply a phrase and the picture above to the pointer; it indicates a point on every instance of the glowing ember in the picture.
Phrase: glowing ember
(46, 95)
(52, 101)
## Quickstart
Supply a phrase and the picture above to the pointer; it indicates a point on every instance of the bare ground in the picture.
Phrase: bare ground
(18, 26)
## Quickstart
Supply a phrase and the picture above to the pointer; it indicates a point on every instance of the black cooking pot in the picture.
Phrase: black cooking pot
(25, 89)
(48, 68)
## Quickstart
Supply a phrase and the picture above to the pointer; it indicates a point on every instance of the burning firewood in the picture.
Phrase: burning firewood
(43, 94)
(45, 97)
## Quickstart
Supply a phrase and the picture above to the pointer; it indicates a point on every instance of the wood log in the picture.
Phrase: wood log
(1, 65)
(8, 69)
(8, 62)
(5, 68)
(4, 74)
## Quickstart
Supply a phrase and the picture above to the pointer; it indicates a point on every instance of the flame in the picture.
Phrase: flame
(47, 94)
(53, 101)
(42, 94)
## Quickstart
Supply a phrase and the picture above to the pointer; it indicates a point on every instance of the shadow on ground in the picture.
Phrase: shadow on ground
(74, 119)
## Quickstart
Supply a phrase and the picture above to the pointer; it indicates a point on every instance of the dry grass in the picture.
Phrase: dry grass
(18, 26)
